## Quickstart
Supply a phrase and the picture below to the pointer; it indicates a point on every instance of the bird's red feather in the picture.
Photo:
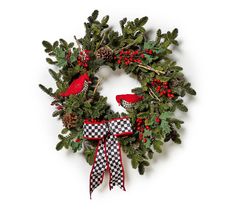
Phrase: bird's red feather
(131, 98)
(76, 86)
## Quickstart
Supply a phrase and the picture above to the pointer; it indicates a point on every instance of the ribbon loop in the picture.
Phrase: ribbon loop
(108, 154)
(120, 126)
(95, 130)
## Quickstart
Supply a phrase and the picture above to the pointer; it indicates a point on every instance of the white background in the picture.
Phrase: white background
(199, 173)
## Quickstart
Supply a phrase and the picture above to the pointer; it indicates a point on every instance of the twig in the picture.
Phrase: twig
(151, 69)
(96, 87)
(151, 95)
(154, 94)
(102, 40)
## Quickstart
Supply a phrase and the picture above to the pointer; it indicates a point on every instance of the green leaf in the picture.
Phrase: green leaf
(134, 163)
(174, 33)
(150, 154)
(76, 146)
(190, 91)
(54, 75)
(147, 133)
(47, 45)
(63, 43)
(147, 144)
(48, 91)
(50, 61)
(61, 63)
(165, 115)
(149, 44)
(176, 140)
(89, 155)
(95, 14)
(141, 169)
(143, 21)
(56, 113)
(60, 145)
(104, 20)
(55, 44)
(139, 39)
(64, 131)
(165, 127)
(157, 145)
(145, 163)
(181, 107)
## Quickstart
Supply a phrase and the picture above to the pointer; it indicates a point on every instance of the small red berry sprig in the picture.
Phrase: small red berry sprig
(162, 88)
(57, 104)
(84, 58)
(140, 127)
(128, 57)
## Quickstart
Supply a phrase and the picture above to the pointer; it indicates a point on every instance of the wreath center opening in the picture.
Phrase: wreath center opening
(114, 83)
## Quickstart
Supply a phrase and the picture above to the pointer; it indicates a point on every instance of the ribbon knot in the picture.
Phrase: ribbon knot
(108, 154)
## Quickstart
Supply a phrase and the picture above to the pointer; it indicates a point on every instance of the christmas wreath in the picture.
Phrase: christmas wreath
(89, 123)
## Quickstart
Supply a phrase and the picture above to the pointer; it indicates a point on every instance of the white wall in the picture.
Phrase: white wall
(197, 174)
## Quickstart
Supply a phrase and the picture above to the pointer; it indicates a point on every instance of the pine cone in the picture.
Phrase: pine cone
(70, 120)
(104, 53)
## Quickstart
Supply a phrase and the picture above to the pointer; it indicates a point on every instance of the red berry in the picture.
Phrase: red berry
(157, 120)
(78, 140)
(59, 107)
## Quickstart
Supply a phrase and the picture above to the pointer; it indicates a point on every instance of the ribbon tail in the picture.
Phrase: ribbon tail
(115, 163)
(99, 167)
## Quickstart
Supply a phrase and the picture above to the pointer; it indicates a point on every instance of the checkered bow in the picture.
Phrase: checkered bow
(108, 154)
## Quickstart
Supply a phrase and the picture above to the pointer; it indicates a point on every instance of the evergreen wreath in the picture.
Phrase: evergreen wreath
(149, 121)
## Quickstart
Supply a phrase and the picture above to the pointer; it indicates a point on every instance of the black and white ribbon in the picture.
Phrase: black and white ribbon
(108, 154)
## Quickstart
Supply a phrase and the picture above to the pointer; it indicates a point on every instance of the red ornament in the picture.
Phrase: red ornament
(77, 86)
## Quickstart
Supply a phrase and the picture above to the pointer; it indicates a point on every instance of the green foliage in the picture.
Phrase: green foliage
(157, 65)
(89, 155)
(48, 91)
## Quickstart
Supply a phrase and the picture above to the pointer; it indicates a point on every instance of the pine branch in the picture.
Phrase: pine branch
(48, 91)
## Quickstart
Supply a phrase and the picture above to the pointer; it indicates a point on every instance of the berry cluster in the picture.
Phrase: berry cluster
(149, 51)
(129, 56)
(83, 58)
(68, 55)
(140, 127)
(162, 88)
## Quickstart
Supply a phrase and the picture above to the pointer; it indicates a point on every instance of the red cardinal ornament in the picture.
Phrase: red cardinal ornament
(78, 86)
(128, 100)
